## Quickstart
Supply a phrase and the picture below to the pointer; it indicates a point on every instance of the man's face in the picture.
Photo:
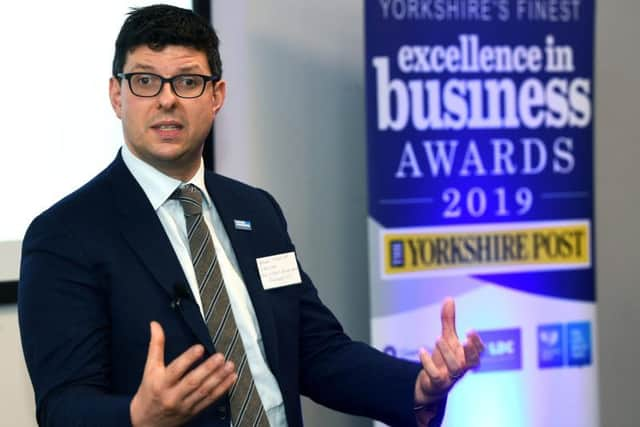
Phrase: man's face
(167, 131)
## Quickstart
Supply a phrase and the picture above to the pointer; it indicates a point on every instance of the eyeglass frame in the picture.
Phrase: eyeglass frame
(170, 80)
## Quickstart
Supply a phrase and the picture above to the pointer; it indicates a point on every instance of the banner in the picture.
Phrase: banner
(480, 162)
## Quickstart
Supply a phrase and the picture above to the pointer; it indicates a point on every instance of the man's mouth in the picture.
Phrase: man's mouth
(168, 129)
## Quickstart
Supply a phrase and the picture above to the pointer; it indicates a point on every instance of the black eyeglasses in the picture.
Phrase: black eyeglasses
(148, 85)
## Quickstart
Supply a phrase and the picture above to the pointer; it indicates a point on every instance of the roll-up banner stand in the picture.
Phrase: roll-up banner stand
(480, 161)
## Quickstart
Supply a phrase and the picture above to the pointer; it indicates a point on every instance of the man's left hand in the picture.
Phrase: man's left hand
(449, 361)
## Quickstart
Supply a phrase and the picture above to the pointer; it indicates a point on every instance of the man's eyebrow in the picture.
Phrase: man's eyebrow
(190, 68)
(184, 69)
(143, 67)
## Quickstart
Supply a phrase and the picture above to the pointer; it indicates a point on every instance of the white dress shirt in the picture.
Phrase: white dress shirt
(158, 187)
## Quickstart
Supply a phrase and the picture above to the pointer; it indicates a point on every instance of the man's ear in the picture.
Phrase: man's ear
(115, 96)
(219, 94)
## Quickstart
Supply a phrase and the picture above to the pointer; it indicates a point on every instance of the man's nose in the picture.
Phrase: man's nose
(167, 97)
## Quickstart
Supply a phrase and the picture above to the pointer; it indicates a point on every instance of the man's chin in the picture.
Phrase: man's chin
(179, 165)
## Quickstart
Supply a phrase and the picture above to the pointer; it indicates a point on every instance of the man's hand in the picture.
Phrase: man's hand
(170, 395)
(449, 362)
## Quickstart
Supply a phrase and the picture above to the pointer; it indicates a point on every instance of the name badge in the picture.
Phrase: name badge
(278, 270)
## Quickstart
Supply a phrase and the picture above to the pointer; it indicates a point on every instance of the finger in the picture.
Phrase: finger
(211, 384)
(215, 394)
(428, 365)
(181, 364)
(456, 348)
(475, 339)
(471, 356)
(448, 319)
(155, 355)
(194, 379)
(435, 380)
(453, 365)
(436, 356)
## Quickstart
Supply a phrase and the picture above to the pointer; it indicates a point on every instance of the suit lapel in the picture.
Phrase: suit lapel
(230, 208)
(142, 229)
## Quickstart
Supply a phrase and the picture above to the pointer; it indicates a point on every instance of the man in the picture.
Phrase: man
(159, 294)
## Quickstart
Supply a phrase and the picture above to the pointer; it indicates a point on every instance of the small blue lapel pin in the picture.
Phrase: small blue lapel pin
(242, 224)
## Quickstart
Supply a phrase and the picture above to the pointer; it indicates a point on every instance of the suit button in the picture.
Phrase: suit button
(221, 411)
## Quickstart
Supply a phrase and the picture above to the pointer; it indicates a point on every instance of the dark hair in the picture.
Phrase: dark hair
(160, 25)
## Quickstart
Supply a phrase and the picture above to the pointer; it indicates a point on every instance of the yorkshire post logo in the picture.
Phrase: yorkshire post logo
(550, 346)
(503, 350)
(396, 251)
(579, 343)
(486, 248)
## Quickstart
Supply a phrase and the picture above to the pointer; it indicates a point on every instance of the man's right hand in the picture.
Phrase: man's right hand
(170, 395)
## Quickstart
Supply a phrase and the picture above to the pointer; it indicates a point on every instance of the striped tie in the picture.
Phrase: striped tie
(246, 407)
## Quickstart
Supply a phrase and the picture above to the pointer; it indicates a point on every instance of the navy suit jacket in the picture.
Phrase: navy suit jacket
(97, 267)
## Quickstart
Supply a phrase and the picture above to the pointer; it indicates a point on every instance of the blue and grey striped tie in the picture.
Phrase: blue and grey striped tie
(246, 406)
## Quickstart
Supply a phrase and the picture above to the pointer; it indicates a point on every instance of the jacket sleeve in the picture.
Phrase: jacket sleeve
(65, 330)
(347, 375)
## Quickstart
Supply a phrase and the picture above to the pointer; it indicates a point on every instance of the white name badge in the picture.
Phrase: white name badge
(278, 270)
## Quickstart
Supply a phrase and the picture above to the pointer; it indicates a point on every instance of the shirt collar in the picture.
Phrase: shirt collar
(158, 186)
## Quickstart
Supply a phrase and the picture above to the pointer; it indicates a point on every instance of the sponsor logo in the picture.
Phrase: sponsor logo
(558, 345)
(564, 344)
(405, 353)
(490, 248)
(550, 346)
(503, 351)
(390, 350)
(579, 343)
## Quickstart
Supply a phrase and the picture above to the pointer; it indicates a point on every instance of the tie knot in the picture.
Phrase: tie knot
(190, 198)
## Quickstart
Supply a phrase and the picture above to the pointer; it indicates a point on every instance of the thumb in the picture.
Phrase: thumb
(448, 319)
(155, 356)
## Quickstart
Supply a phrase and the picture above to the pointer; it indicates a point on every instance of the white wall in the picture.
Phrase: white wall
(17, 407)
(294, 125)
(618, 208)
